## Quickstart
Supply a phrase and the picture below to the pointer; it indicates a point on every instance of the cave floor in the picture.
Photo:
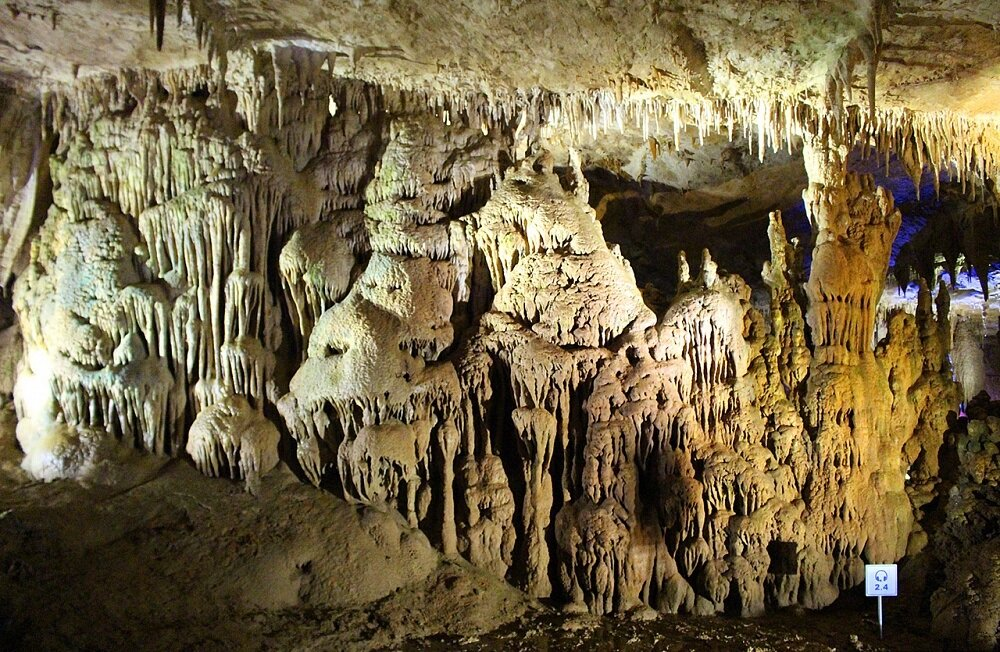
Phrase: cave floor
(849, 624)
(166, 559)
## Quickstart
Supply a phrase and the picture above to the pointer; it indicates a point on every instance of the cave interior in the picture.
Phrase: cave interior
(492, 315)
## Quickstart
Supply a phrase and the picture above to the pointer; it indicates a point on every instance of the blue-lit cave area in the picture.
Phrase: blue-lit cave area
(474, 325)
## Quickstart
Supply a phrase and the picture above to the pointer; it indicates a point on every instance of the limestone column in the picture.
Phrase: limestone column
(857, 506)
(536, 430)
(854, 224)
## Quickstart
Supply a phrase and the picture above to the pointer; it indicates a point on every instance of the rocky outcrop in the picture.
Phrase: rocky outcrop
(965, 606)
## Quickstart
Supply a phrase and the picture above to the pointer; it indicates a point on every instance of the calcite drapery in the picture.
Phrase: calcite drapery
(715, 460)
(538, 239)
(24, 175)
(231, 438)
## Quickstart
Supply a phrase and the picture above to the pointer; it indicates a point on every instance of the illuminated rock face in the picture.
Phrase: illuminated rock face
(150, 294)
(373, 407)
(230, 438)
(450, 336)
(855, 224)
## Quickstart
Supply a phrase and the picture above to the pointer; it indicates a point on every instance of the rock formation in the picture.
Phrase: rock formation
(400, 290)
(373, 405)
(153, 264)
(966, 545)
(489, 370)
(231, 438)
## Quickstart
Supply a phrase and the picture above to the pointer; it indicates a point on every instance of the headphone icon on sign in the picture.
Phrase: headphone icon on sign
(881, 576)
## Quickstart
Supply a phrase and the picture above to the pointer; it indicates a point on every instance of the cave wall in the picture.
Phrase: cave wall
(963, 552)
(265, 259)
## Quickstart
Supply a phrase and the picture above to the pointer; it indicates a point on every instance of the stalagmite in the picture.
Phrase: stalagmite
(231, 438)
(536, 433)
(448, 442)
(967, 356)
(855, 224)
(488, 537)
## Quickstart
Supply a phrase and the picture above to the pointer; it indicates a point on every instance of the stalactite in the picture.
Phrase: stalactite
(230, 438)
(186, 306)
(157, 18)
(315, 266)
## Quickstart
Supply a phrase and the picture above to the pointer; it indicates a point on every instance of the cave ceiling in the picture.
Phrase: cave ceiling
(933, 55)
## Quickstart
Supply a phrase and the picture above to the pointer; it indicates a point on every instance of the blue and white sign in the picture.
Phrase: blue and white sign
(880, 580)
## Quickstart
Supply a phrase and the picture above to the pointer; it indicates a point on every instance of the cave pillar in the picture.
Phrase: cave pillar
(859, 511)
(854, 224)
(449, 439)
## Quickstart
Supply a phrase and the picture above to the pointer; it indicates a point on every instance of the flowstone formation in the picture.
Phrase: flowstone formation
(713, 460)
(489, 370)
(854, 225)
(351, 245)
(561, 297)
(231, 438)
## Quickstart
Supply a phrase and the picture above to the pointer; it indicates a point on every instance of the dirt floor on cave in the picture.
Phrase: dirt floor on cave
(165, 559)
(848, 625)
